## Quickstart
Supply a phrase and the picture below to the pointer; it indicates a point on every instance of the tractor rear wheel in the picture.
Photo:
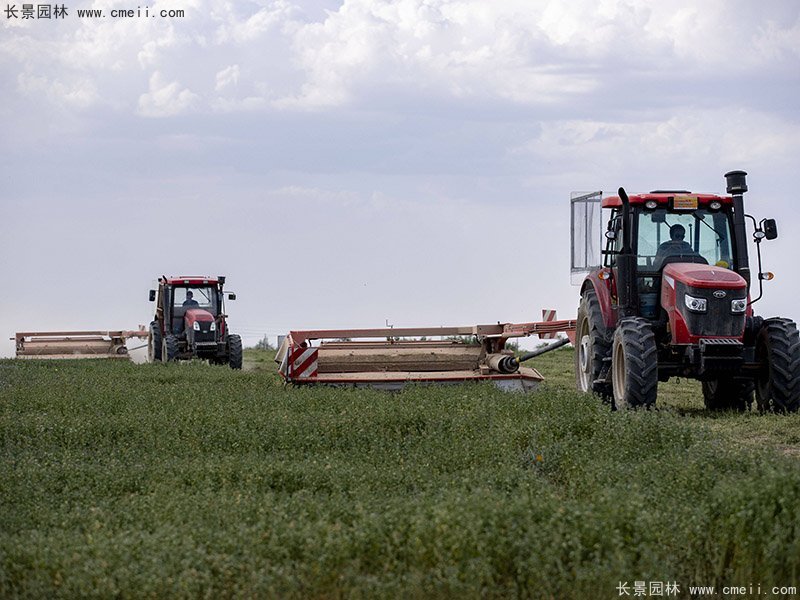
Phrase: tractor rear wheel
(728, 394)
(778, 351)
(592, 345)
(634, 364)
(235, 351)
(169, 349)
(154, 343)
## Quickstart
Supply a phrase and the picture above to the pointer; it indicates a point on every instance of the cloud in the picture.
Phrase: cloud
(684, 137)
(233, 28)
(528, 53)
(681, 149)
(79, 93)
(165, 99)
(229, 76)
(541, 54)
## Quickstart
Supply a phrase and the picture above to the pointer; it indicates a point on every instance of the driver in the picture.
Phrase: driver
(675, 245)
(190, 302)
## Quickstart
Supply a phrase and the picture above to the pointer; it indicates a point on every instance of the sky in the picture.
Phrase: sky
(362, 162)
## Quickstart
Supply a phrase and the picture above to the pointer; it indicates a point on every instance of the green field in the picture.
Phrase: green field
(187, 480)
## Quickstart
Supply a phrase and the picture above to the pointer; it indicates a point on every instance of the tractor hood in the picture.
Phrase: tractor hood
(197, 314)
(703, 276)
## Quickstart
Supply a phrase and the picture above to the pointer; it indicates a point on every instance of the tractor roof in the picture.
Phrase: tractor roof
(190, 280)
(665, 198)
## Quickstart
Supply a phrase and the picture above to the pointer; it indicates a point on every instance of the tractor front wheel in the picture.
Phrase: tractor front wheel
(592, 346)
(154, 343)
(169, 349)
(778, 351)
(235, 351)
(634, 364)
(728, 394)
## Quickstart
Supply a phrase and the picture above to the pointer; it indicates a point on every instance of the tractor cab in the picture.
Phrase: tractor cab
(190, 303)
(670, 227)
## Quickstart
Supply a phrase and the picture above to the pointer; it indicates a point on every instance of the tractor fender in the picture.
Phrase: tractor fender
(604, 289)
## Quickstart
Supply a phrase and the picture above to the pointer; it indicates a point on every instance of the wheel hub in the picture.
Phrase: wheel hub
(618, 377)
(583, 362)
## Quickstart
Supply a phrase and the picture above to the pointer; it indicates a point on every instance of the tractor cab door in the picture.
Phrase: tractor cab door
(586, 225)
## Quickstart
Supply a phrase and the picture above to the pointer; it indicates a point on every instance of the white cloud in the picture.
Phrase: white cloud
(525, 52)
(165, 98)
(366, 51)
(233, 29)
(227, 77)
(687, 149)
(79, 93)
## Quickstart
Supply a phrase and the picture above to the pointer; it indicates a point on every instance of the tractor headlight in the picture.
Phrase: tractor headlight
(196, 326)
(695, 304)
(738, 306)
(213, 326)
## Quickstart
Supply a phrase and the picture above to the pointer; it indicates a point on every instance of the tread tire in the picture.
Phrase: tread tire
(154, 343)
(778, 351)
(592, 345)
(634, 365)
(169, 349)
(235, 351)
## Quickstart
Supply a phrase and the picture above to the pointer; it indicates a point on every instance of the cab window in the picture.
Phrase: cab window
(705, 234)
(205, 296)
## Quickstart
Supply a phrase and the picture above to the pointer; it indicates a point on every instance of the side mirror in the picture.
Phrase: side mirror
(152, 295)
(611, 234)
(770, 228)
(231, 296)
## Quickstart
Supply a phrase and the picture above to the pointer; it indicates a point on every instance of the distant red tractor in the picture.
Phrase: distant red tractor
(672, 298)
(190, 322)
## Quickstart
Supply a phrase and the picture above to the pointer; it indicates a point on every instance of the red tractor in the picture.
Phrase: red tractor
(190, 322)
(672, 298)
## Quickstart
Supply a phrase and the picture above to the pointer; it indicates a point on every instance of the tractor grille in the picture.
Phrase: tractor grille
(205, 334)
(718, 319)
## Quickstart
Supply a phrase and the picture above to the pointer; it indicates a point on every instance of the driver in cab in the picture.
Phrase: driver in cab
(676, 244)
(190, 302)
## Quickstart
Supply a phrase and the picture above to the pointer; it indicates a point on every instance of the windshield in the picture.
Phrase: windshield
(196, 297)
(698, 236)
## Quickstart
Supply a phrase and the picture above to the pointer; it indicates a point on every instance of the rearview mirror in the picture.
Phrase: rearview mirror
(770, 228)
(152, 295)
(231, 296)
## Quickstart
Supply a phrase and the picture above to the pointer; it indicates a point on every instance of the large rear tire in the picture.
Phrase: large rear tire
(728, 394)
(634, 364)
(778, 351)
(169, 349)
(591, 346)
(235, 351)
(154, 343)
